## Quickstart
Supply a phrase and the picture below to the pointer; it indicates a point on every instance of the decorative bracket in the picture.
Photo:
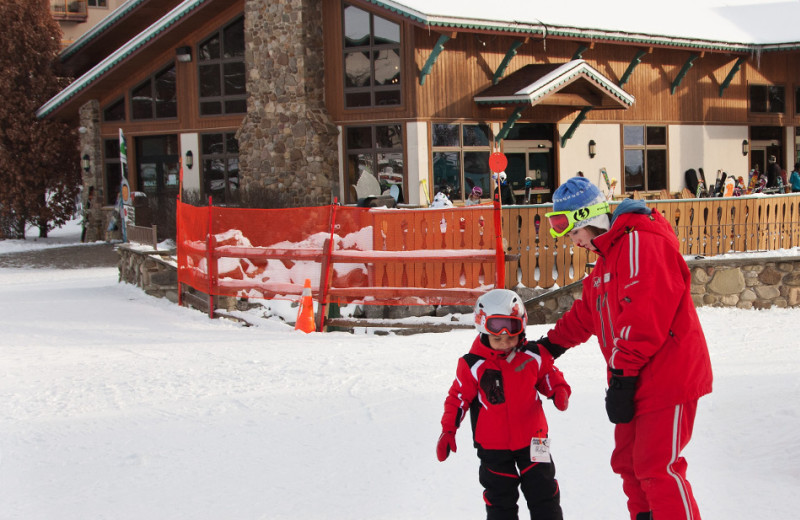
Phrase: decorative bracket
(512, 51)
(579, 53)
(574, 126)
(513, 118)
(731, 74)
(682, 73)
(437, 49)
(633, 64)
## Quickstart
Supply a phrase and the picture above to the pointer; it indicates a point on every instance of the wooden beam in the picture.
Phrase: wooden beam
(513, 118)
(437, 49)
(512, 51)
(632, 65)
(731, 74)
(686, 66)
(575, 124)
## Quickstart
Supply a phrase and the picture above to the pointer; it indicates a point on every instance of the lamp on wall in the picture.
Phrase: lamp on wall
(592, 149)
(85, 162)
(184, 54)
(189, 159)
(745, 147)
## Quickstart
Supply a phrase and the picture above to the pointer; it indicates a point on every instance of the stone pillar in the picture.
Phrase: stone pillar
(288, 154)
(91, 144)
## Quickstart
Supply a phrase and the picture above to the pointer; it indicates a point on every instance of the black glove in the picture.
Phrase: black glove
(619, 399)
(555, 350)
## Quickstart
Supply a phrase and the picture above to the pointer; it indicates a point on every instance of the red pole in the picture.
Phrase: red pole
(211, 261)
(500, 258)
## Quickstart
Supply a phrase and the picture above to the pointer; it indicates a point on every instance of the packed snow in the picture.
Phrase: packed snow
(117, 405)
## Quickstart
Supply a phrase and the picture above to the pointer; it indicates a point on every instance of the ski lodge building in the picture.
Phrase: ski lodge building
(289, 102)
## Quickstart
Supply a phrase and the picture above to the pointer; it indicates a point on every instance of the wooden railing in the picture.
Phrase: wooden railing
(704, 227)
(143, 235)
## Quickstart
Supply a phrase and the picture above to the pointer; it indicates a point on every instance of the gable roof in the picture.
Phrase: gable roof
(119, 55)
(726, 25)
(578, 84)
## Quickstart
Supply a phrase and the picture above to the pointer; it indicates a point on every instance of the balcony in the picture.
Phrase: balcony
(68, 10)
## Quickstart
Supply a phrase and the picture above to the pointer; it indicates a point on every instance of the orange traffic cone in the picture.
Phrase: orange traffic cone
(305, 313)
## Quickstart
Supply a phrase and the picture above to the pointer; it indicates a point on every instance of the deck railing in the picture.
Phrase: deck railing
(704, 227)
(69, 10)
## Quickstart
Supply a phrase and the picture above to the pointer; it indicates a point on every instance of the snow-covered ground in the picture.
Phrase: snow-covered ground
(116, 405)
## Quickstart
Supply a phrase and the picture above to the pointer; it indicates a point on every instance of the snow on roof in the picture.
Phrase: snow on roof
(729, 22)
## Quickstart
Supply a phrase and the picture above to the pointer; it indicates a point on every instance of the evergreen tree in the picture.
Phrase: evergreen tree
(39, 159)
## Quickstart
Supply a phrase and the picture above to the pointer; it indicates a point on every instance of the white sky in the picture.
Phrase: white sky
(732, 21)
(117, 405)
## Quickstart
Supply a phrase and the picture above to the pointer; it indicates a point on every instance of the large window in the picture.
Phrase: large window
(767, 98)
(461, 158)
(371, 59)
(645, 157)
(375, 151)
(221, 167)
(222, 72)
(115, 111)
(156, 97)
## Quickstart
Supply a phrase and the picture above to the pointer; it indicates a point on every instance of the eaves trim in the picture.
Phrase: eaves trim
(119, 55)
(449, 22)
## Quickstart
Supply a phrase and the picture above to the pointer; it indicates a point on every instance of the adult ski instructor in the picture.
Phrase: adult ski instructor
(637, 302)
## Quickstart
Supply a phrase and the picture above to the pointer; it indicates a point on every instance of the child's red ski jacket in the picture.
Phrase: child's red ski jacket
(637, 301)
(500, 390)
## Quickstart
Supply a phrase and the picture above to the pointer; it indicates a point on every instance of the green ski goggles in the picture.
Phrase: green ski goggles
(562, 222)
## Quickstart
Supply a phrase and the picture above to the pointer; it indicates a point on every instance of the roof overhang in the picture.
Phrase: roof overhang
(124, 54)
(572, 84)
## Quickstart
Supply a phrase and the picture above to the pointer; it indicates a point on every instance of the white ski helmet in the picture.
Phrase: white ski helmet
(500, 311)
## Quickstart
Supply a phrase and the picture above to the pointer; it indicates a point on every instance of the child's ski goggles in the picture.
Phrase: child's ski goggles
(497, 325)
(562, 222)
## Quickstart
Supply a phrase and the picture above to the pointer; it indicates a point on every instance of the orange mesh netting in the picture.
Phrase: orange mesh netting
(379, 256)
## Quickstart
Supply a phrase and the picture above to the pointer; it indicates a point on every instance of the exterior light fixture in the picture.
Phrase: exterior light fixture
(745, 147)
(85, 162)
(592, 149)
(189, 159)
(184, 54)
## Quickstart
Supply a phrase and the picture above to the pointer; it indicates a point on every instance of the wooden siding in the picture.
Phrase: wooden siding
(469, 60)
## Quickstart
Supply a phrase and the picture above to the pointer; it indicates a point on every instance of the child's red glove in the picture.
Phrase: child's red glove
(447, 442)
(561, 398)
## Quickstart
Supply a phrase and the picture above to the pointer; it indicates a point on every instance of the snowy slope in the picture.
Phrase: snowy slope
(115, 405)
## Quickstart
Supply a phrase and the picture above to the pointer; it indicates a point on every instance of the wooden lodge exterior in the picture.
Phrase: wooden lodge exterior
(288, 103)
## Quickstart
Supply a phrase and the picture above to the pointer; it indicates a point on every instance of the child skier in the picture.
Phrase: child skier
(497, 381)
(637, 301)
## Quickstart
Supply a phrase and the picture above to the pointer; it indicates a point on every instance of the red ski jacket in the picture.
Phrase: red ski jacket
(637, 302)
(500, 390)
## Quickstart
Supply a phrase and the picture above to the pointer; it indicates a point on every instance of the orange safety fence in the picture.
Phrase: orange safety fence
(378, 255)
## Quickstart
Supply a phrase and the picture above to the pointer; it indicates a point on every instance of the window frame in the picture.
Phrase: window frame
(645, 147)
(221, 61)
(372, 152)
(119, 100)
(767, 101)
(225, 156)
(462, 149)
(371, 48)
(154, 101)
(95, 4)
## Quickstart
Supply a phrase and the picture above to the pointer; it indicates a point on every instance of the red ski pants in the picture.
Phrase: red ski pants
(647, 456)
